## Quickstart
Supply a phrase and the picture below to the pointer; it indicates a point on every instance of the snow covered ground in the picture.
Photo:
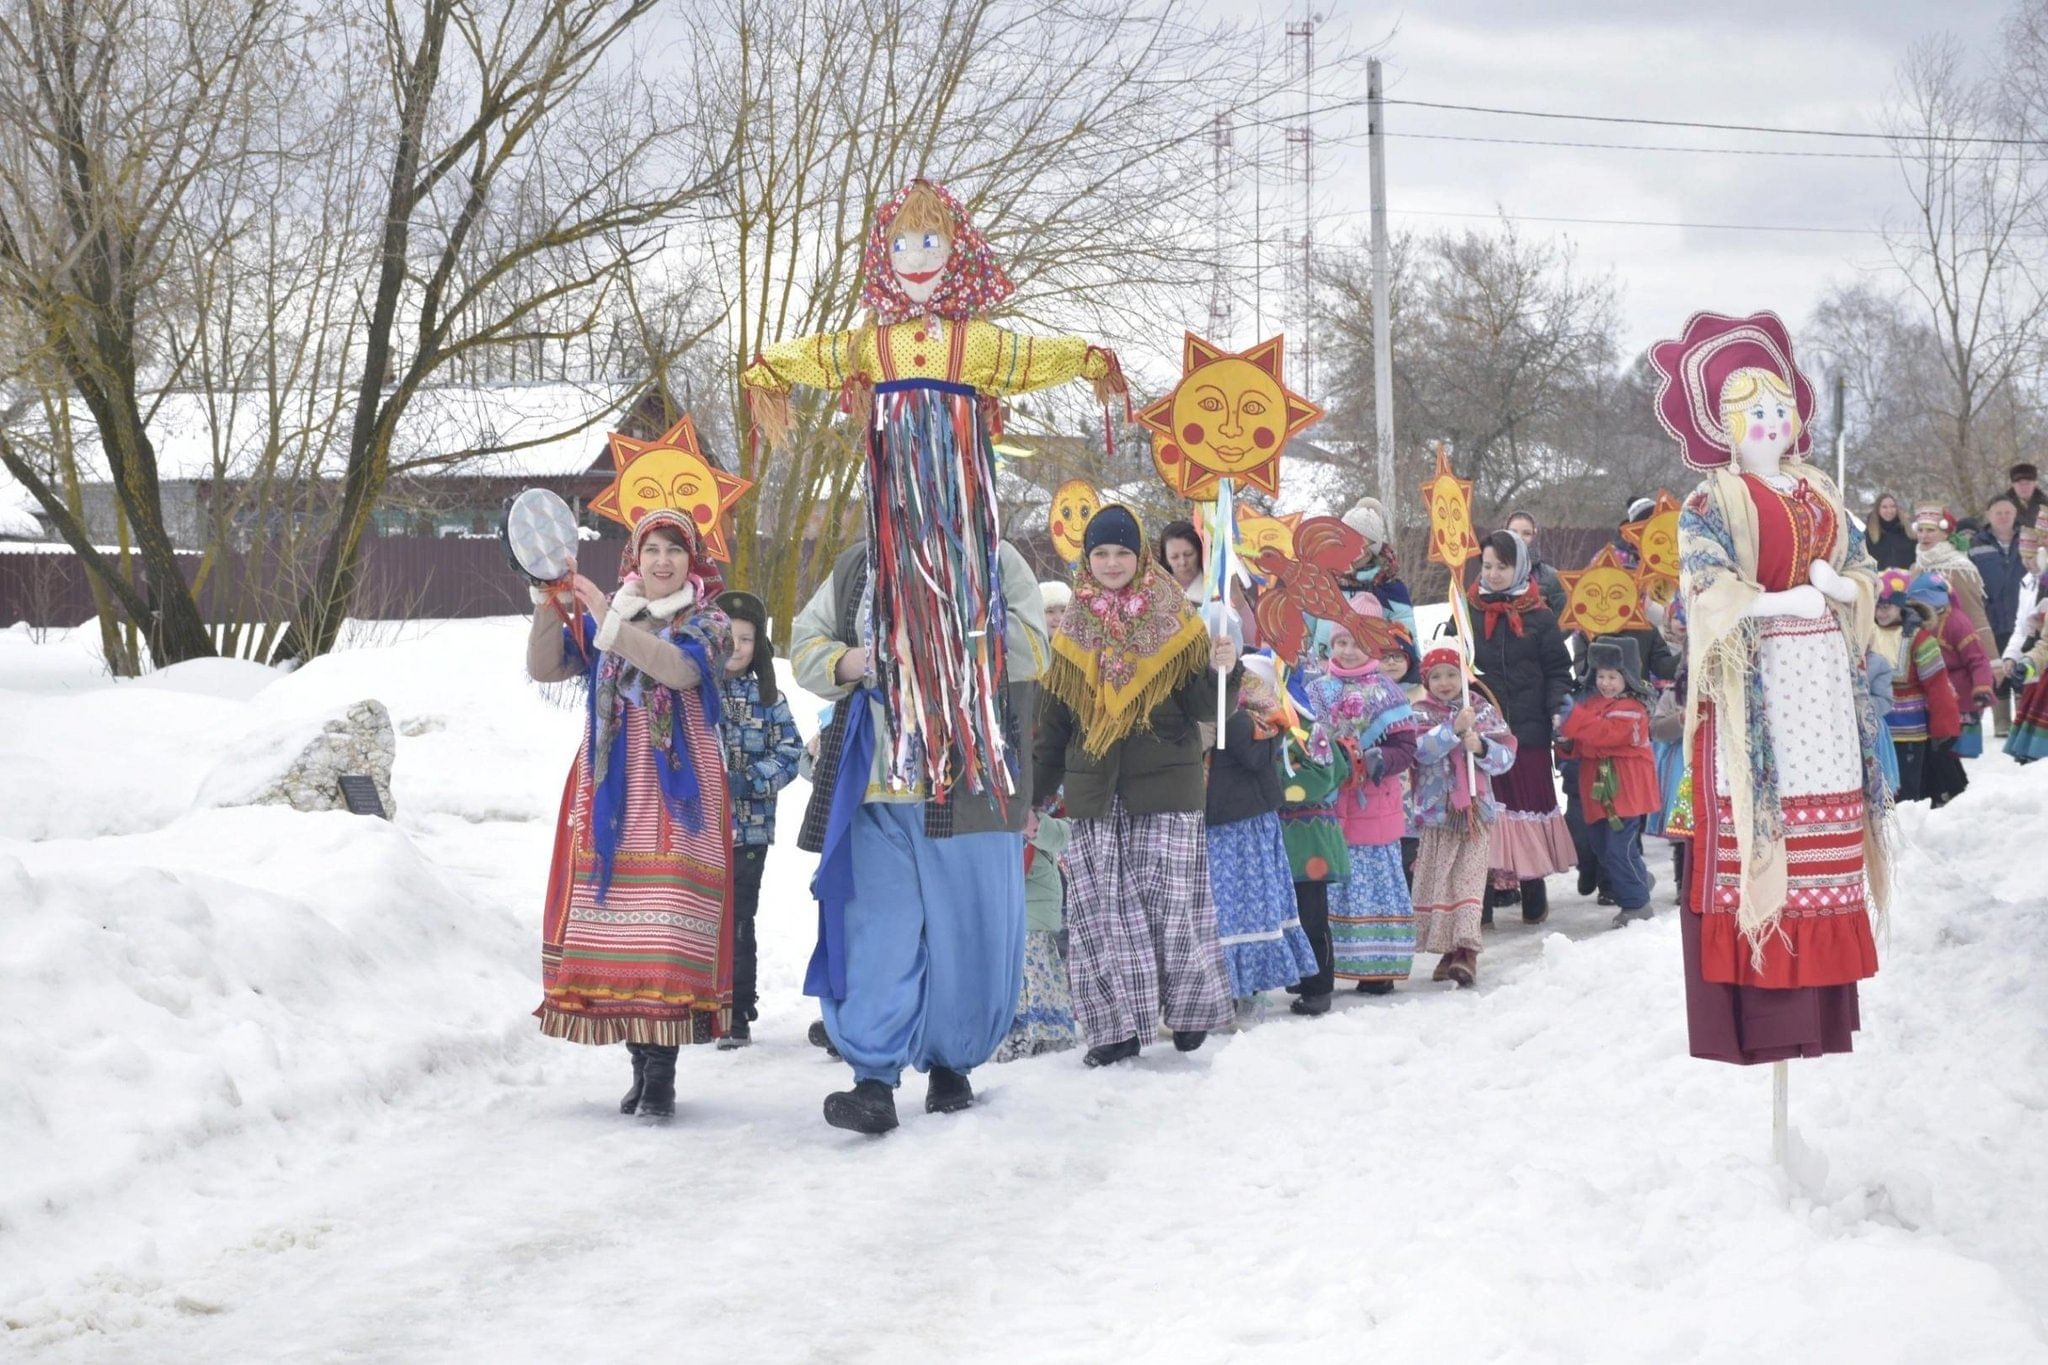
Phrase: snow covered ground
(269, 1090)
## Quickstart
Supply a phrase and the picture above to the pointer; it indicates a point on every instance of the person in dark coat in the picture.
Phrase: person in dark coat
(1891, 544)
(1133, 677)
(1545, 576)
(1995, 551)
(2024, 491)
(1520, 656)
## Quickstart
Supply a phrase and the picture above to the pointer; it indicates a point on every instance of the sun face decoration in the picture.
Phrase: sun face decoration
(1073, 505)
(1449, 500)
(670, 471)
(1603, 598)
(1257, 533)
(1656, 540)
(1230, 417)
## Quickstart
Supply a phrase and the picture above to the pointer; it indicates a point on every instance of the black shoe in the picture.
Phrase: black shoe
(739, 1035)
(658, 1100)
(631, 1103)
(1109, 1054)
(1375, 988)
(1627, 917)
(1188, 1039)
(820, 1038)
(1606, 899)
(1535, 901)
(870, 1107)
(1589, 880)
(1486, 916)
(947, 1092)
(1312, 1004)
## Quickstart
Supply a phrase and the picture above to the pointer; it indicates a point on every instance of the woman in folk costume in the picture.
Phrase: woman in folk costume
(922, 377)
(1133, 676)
(1790, 858)
(1520, 655)
(1454, 807)
(1937, 554)
(1362, 711)
(637, 934)
(2027, 740)
(1922, 716)
(1264, 947)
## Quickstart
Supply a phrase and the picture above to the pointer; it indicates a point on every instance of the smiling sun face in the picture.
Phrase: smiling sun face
(670, 471)
(1230, 417)
(1073, 506)
(1656, 541)
(1603, 598)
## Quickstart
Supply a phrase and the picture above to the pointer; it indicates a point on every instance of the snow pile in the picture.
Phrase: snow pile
(272, 1091)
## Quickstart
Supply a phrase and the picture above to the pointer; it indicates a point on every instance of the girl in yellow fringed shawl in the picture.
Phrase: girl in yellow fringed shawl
(1132, 677)
(1790, 803)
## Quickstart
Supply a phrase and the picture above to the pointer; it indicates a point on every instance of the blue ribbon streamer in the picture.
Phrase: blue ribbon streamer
(832, 885)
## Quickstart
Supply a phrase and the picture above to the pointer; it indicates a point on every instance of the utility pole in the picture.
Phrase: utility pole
(1219, 284)
(1382, 328)
(1304, 137)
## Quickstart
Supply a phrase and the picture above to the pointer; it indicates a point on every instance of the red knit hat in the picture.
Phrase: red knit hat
(1443, 654)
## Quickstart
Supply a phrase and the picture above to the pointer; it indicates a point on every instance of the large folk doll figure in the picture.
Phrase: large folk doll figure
(929, 637)
(923, 376)
(1778, 593)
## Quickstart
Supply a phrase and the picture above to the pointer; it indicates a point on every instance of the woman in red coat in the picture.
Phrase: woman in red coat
(1608, 731)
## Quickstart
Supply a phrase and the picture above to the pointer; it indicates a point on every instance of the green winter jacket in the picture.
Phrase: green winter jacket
(1045, 890)
(1316, 851)
(1158, 767)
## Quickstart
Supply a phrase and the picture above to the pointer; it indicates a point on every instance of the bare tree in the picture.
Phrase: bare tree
(1969, 154)
(119, 120)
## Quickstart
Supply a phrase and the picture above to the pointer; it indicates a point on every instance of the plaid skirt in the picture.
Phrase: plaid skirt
(1141, 927)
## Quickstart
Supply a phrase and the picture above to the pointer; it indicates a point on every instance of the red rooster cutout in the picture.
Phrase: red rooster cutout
(1307, 586)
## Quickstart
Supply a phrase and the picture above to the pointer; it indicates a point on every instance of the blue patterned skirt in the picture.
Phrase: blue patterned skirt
(1045, 1007)
(1670, 767)
(1264, 948)
(1372, 919)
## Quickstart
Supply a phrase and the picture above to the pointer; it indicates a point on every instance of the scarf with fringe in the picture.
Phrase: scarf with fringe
(1718, 537)
(1121, 652)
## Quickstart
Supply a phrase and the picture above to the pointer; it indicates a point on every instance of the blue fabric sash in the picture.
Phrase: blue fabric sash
(832, 885)
(680, 792)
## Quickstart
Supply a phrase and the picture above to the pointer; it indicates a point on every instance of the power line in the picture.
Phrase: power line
(1716, 127)
(1644, 147)
(1621, 222)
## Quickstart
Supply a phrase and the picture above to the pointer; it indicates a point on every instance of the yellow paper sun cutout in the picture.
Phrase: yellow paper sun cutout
(1229, 417)
(670, 471)
(1603, 598)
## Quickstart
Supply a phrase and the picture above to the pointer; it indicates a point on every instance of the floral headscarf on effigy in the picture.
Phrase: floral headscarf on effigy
(971, 283)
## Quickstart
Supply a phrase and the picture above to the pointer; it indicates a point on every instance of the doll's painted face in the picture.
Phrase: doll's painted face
(919, 260)
(1761, 417)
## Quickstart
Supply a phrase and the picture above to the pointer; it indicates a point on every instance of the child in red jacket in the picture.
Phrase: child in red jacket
(1608, 731)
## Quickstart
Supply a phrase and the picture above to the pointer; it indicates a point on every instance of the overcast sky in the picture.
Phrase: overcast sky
(1801, 63)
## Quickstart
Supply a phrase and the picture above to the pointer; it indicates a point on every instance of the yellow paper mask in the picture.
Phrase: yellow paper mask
(1656, 540)
(1230, 417)
(1603, 598)
(670, 471)
(1449, 500)
(1073, 505)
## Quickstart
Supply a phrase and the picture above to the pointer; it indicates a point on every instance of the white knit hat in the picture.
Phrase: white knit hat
(1369, 519)
(1055, 594)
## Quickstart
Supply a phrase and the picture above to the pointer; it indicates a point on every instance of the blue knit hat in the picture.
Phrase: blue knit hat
(1929, 590)
(1113, 525)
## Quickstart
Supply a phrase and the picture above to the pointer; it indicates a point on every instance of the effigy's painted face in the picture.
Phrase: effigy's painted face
(919, 260)
(1762, 419)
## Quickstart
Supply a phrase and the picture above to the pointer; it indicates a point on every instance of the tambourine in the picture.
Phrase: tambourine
(540, 535)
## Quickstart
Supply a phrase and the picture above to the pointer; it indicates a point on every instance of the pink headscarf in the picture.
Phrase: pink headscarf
(972, 283)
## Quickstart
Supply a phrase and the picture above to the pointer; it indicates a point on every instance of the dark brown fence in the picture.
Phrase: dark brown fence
(402, 579)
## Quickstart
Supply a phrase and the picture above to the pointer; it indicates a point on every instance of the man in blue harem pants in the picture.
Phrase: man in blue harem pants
(921, 903)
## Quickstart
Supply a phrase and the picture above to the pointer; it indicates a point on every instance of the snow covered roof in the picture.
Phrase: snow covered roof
(17, 511)
(558, 427)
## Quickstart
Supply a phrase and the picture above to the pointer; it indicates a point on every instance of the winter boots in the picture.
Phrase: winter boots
(658, 1076)
(1535, 901)
(1464, 968)
(820, 1038)
(738, 1035)
(1109, 1054)
(947, 1092)
(631, 1103)
(1311, 1005)
(1187, 1040)
(1375, 988)
(870, 1107)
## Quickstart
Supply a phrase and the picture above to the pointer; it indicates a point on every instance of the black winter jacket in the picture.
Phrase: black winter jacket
(1244, 775)
(1529, 674)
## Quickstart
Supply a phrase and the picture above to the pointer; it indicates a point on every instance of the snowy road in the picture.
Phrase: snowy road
(1531, 1171)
